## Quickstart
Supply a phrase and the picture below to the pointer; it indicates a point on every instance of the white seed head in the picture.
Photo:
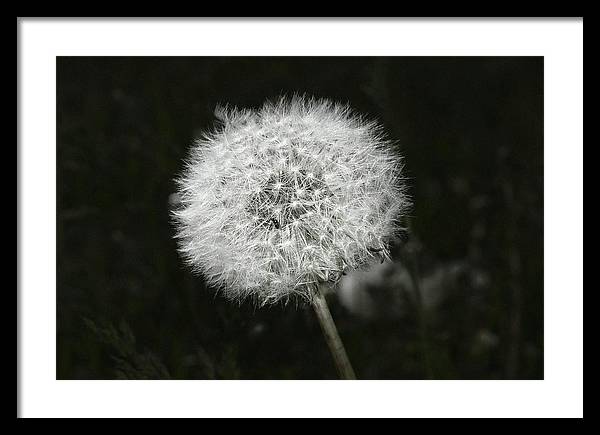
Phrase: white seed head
(280, 199)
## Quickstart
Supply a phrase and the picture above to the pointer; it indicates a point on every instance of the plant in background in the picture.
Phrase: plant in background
(278, 203)
(130, 362)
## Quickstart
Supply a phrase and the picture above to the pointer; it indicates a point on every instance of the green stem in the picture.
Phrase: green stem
(332, 337)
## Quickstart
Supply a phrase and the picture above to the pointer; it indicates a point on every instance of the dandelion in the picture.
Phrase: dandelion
(278, 203)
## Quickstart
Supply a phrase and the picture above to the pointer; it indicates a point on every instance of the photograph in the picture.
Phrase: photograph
(300, 217)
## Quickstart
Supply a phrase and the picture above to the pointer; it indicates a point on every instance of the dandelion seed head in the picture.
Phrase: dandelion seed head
(277, 200)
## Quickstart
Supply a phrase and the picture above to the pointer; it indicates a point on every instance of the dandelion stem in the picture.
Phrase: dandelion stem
(332, 337)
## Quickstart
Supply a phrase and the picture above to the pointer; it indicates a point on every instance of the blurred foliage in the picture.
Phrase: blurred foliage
(463, 299)
(129, 363)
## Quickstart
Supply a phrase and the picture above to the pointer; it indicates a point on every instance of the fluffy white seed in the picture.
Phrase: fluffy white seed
(278, 200)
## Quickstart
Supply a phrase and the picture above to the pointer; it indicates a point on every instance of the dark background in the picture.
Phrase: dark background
(463, 300)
